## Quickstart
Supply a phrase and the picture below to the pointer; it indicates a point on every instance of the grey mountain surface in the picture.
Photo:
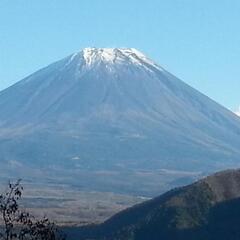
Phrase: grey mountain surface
(111, 119)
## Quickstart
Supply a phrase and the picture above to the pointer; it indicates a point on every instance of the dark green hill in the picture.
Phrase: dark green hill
(207, 209)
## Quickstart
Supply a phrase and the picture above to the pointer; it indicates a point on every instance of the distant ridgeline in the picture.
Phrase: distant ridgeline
(206, 210)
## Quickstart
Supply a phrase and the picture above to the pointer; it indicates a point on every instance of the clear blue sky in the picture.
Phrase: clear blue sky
(197, 40)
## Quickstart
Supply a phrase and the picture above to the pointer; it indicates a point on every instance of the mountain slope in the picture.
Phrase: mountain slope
(115, 111)
(207, 209)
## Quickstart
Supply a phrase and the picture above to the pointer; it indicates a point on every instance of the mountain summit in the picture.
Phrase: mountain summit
(115, 113)
(92, 57)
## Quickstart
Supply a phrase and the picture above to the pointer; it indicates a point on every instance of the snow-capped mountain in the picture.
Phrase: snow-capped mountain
(114, 111)
(238, 112)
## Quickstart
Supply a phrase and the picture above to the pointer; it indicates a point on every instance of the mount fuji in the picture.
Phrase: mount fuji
(113, 119)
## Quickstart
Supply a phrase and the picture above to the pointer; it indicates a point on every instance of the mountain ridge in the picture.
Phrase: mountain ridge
(190, 212)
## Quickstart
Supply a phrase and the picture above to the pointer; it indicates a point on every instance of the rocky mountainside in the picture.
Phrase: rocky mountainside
(208, 209)
(116, 121)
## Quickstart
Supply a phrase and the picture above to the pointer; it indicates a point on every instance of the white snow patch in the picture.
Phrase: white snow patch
(237, 112)
(111, 57)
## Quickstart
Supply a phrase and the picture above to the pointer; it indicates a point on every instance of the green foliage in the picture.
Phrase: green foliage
(20, 225)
